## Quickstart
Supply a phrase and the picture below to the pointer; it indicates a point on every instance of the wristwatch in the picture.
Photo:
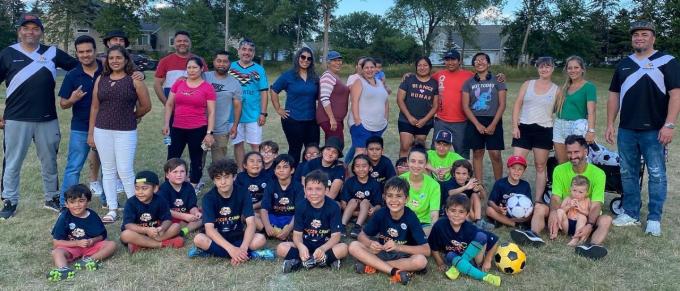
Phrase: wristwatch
(669, 125)
(265, 114)
(209, 132)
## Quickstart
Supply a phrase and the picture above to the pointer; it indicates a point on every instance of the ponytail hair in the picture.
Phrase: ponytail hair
(559, 103)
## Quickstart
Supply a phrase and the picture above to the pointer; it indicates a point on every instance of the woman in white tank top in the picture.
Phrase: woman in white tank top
(369, 107)
(532, 121)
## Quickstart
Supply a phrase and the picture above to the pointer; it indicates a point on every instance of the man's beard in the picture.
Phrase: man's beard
(222, 71)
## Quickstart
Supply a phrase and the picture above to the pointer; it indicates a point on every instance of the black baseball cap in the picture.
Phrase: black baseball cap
(452, 54)
(147, 177)
(116, 33)
(335, 143)
(26, 18)
(445, 136)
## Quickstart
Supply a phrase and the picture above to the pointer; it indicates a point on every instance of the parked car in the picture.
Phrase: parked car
(144, 62)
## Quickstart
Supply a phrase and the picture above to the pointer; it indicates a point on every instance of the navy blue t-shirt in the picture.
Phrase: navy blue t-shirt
(354, 189)
(502, 190)
(282, 202)
(227, 214)
(334, 172)
(405, 231)
(270, 172)
(317, 224)
(69, 227)
(146, 215)
(254, 185)
(451, 184)
(297, 176)
(444, 239)
(76, 77)
(383, 171)
(301, 94)
(182, 201)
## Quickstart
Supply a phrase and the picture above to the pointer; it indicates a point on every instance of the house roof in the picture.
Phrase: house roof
(146, 26)
(485, 37)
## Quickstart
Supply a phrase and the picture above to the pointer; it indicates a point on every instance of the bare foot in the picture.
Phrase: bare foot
(573, 242)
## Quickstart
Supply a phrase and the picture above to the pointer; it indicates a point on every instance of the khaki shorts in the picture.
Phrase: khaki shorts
(219, 148)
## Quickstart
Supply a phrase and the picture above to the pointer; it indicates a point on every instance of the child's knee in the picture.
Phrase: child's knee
(419, 261)
(365, 204)
(59, 253)
(258, 241)
(340, 250)
(355, 247)
(109, 245)
(127, 235)
(282, 249)
(202, 241)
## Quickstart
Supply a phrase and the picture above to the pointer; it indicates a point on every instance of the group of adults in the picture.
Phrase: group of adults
(212, 109)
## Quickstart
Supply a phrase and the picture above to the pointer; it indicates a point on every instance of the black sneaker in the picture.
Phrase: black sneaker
(310, 263)
(8, 210)
(591, 251)
(53, 204)
(291, 265)
(356, 229)
(335, 265)
(526, 237)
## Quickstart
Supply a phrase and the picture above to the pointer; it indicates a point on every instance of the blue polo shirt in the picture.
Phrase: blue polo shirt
(81, 109)
(301, 95)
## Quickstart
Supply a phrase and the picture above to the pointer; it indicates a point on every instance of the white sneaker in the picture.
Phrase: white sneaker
(119, 186)
(96, 188)
(653, 228)
(625, 220)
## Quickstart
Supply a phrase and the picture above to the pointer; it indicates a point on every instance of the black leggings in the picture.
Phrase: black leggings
(298, 134)
(193, 137)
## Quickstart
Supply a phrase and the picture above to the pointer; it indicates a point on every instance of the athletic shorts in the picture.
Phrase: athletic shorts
(249, 132)
(279, 220)
(392, 256)
(408, 128)
(360, 134)
(218, 251)
(563, 128)
(572, 227)
(79, 252)
(477, 141)
(534, 136)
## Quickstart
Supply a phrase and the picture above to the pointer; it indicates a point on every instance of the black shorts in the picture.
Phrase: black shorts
(572, 227)
(408, 128)
(534, 136)
(477, 141)
(392, 256)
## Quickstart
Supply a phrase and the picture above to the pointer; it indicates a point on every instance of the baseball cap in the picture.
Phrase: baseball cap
(642, 25)
(147, 177)
(444, 135)
(116, 33)
(335, 143)
(452, 54)
(332, 55)
(26, 18)
(517, 160)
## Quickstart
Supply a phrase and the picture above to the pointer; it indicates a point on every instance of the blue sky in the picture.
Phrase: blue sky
(381, 6)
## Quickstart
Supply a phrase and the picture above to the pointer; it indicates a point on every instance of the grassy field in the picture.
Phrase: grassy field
(635, 261)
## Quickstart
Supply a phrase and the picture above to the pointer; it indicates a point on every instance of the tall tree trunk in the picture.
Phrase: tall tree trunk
(326, 25)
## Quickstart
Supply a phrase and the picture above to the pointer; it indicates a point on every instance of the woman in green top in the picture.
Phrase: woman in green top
(424, 193)
(575, 108)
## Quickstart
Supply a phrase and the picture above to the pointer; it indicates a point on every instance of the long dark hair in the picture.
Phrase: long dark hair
(311, 73)
(129, 66)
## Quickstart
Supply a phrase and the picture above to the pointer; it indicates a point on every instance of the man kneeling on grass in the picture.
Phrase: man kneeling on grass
(229, 219)
(147, 222)
(399, 246)
(78, 234)
(316, 234)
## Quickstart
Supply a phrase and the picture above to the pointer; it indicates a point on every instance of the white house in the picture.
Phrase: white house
(485, 38)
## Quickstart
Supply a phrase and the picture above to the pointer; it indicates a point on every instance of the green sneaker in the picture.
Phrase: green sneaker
(492, 279)
(184, 232)
(86, 263)
(452, 273)
(59, 274)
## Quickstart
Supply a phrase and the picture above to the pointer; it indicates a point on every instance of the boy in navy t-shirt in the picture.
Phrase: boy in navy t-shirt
(399, 246)
(459, 246)
(312, 151)
(361, 195)
(228, 218)
(381, 166)
(254, 180)
(316, 234)
(147, 222)
(181, 196)
(506, 187)
(269, 151)
(329, 164)
(78, 234)
(280, 198)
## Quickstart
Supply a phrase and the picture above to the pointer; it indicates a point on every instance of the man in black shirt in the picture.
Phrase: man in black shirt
(645, 89)
(29, 71)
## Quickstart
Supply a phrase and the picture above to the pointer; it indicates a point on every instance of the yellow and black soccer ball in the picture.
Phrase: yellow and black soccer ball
(510, 259)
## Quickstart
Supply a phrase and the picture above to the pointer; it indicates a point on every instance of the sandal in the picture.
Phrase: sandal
(110, 217)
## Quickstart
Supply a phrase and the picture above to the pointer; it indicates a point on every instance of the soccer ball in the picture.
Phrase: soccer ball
(520, 206)
(510, 259)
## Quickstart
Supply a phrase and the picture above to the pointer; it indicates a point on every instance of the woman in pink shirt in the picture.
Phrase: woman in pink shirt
(192, 103)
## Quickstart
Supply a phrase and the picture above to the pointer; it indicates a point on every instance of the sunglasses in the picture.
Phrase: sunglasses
(306, 58)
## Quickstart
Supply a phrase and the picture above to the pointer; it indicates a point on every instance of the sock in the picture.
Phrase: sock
(293, 254)
(184, 231)
(394, 271)
(330, 257)
(471, 251)
(492, 279)
(468, 269)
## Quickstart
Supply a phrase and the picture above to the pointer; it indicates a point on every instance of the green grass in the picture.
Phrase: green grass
(635, 261)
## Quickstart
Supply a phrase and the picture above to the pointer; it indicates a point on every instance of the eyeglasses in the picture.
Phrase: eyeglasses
(305, 58)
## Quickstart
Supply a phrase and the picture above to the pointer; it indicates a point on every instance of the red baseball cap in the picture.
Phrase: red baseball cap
(515, 160)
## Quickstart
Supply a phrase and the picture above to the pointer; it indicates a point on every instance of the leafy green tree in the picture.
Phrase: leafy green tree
(119, 15)
(64, 15)
(356, 30)
(10, 11)
(197, 18)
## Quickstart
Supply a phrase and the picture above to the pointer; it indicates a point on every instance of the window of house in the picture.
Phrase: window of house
(143, 39)
(171, 41)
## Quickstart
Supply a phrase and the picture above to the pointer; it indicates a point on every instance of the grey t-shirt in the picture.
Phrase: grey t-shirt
(227, 89)
(483, 95)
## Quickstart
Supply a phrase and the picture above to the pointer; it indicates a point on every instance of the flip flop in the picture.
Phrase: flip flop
(109, 217)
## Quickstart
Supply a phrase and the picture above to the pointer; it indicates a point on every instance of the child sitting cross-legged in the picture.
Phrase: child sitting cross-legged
(280, 198)
(147, 222)
(181, 196)
(78, 235)
(361, 195)
(458, 246)
(392, 242)
(316, 235)
(228, 219)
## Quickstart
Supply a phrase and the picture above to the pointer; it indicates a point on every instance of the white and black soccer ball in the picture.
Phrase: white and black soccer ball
(600, 155)
(520, 206)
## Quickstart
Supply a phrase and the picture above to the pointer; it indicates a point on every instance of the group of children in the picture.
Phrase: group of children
(308, 207)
